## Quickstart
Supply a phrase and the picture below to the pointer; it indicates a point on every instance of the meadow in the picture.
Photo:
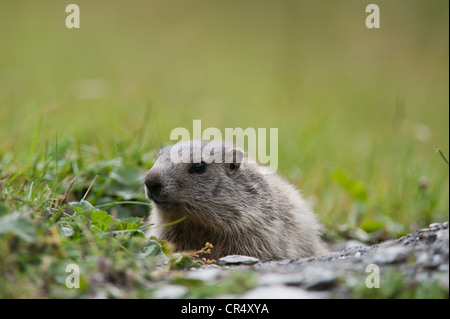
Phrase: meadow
(360, 114)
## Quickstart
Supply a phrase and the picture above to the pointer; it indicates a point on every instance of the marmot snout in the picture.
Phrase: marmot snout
(240, 207)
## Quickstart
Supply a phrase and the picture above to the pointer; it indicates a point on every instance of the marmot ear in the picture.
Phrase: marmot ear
(233, 159)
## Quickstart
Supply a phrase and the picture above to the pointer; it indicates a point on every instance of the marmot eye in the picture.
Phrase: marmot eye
(198, 168)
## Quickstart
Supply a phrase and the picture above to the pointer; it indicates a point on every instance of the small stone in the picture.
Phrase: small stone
(390, 255)
(423, 258)
(318, 278)
(389, 242)
(238, 260)
(436, 260)
(428, 260)
(276, 278)
(350, 244)
(443, 268)
(170, 292)
(442, 233)
(282, 292)
(205, 274)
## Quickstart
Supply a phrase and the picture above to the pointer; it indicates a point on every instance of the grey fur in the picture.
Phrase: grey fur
(240, 208)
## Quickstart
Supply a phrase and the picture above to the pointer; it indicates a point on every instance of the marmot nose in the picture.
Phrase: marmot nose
(153, 185)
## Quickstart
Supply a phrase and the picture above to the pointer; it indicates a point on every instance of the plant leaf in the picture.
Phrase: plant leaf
(18, 224)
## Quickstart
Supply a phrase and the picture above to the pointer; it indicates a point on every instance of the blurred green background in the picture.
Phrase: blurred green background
(360, 112)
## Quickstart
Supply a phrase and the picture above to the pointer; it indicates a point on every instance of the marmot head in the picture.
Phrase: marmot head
(205, 181)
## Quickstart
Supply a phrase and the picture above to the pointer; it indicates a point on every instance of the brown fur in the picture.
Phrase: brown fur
(241, 209)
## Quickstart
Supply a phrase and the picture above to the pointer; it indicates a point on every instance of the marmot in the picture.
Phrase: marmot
(240, 207)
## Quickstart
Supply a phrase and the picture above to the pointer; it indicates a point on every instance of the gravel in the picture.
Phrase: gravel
(422, 256)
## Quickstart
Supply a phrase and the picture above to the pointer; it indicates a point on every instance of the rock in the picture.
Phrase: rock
(318, 278)
(390, 255)
(207, 275)
(271, 278)
(350, 244)
(238, 260)
(170, 292)
(303, 273)
(282, 292)
(442, 235)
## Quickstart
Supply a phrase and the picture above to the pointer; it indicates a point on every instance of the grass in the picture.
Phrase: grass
(396, 286)
(360, 114)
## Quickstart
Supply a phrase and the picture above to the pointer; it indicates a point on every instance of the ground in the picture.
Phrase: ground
(413, 266)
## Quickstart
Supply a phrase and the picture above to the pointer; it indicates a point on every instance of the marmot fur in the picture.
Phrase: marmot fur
(242, 208)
